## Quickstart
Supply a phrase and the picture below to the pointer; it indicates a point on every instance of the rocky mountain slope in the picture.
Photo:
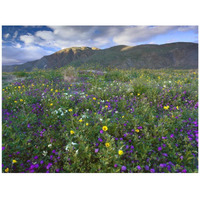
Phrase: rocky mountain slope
(180, 55)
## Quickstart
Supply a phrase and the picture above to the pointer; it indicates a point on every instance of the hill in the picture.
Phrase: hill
(180, 55)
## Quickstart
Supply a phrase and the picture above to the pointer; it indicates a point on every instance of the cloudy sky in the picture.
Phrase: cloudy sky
(26, 43)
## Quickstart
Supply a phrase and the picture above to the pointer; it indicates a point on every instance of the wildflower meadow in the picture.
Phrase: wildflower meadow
(112, 121)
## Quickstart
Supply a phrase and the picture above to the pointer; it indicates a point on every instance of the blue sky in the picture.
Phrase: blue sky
(26, 43)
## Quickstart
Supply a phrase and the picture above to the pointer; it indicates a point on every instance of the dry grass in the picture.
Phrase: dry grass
(69, 74)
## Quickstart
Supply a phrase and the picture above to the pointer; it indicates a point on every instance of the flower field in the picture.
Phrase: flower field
(120, 121)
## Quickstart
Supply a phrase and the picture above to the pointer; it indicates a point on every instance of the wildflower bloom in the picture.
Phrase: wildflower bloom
(105, 128)
(72, 132)
(159, 148)
(80, 120)
(51, 104)
(115, 165)
(70, 110)
(21, 100)
(107, 144)
(86, 124)
(101, 131)
(166, 107)
(138, 167)
(123, 168)
(120, 152)
(7, 170)
(94, 98)
(137, 130)
(96, 150)
(14, 161)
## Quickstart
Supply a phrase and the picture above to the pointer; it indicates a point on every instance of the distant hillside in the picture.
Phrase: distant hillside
(180, 55)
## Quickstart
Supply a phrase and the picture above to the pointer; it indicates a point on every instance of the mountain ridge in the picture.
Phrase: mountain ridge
(179, 55)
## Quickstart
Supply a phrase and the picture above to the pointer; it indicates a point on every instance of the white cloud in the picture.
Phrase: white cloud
(7, 35)
(130, 35)
(15, 35)
(18, 55)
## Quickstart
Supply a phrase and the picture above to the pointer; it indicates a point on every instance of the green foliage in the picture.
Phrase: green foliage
(50, 125)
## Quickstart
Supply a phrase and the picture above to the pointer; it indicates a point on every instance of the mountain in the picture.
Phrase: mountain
(180, 55)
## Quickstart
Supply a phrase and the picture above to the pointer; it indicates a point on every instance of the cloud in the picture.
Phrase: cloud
(15, 35)
(7, 35)
(131, 35)
(18, 54)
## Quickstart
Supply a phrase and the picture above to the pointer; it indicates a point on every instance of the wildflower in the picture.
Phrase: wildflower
(96, 150)
(94, 98)
(80, 120)
(106, 106)
(122, 117)
(7, 170)
(21, 100)
(137, 130)
(86, 124)
(105, 128)
(123, 168)
(51, 104)
(72, 132)
(70, 110)
(138, 167)
(15, 101)
(120, 152)
(152, 170)
(115, 165)
(3, 148)
(166, 107)
(101, 131)
(56, 90)
(159, 148)
(51, 90)
(14, 161)
(49, 145)
(138, 94)
(19, 87)
(107, 144)
(177, 107)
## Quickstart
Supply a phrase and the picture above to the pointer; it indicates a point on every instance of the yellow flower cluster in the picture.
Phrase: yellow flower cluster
(166, 107)
(105, 128)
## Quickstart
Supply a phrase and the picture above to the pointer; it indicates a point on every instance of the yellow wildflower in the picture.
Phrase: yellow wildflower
(106, 106)
(80, 120)
(70, 110)
(138, 94)
(51, 104)
(72, 132)
(21, 100)
(7, 170)
(177, 107)
(86, 124)
(120, 152)
(137, 130)
(14, 161)
(51, 90)
(105, 128)
(107, 144)
(122, 116)
(56, 90)
(94, 98)
(19, 87)
(15, 101)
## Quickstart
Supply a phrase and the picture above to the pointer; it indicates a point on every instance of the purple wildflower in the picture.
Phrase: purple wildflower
(123, 168)
(3, 148)
(115, 165)
(159, 148)
(152, 170)
(101, 131)
(96, 150)
(138, 167)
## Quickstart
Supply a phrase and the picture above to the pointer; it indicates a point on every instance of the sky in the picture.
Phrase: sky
(21, 44)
